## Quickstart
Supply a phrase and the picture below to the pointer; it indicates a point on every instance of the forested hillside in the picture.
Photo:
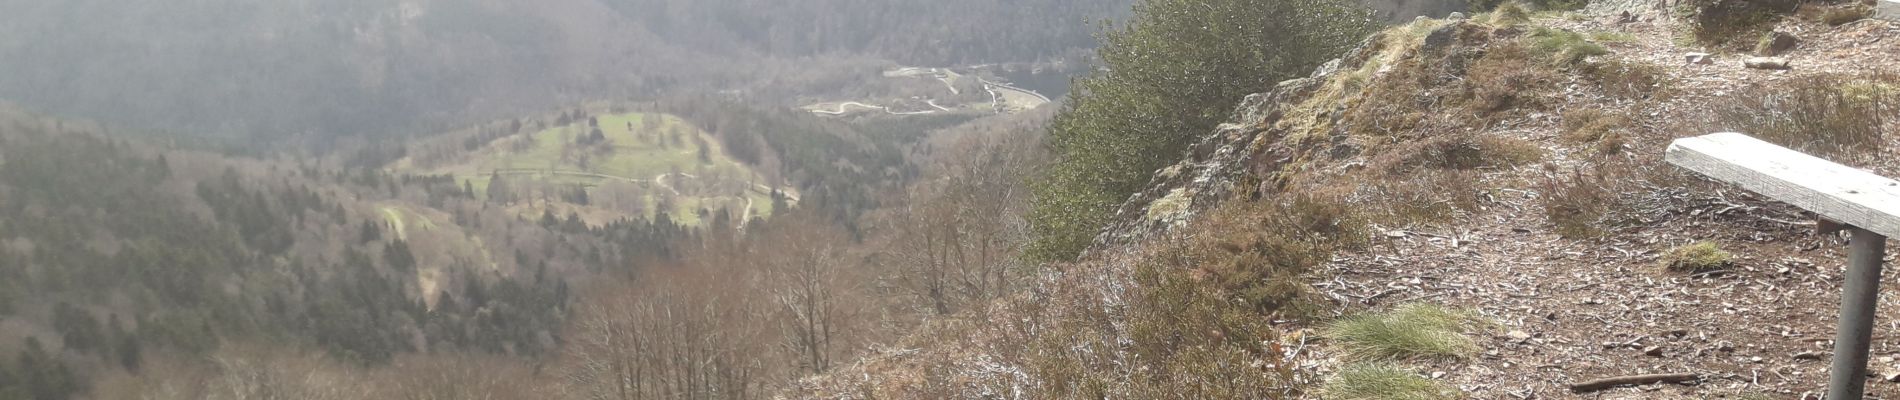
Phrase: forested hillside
(914, 32)
(117, 252)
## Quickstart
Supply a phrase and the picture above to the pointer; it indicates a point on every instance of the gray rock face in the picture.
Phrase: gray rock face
(1888, 10)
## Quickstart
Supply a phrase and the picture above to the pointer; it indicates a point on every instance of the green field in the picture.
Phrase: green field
(637, 151)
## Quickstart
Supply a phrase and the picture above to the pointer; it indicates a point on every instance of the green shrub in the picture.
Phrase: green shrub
(1696, 258)
(1412, 331)
(1174, 71)
(1383, 382)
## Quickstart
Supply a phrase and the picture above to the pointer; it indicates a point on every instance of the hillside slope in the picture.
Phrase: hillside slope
(1506, 166)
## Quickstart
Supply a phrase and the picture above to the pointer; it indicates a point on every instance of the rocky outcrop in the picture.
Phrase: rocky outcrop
(1888, 10)
(1212, 169)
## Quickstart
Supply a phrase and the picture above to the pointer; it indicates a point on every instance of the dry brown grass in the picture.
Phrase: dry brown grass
(1629, 80)
(1197, 315)
(1838, 117)
(1833, 14)
(1576, 202)
(1424, 197)
(1733, 24)
(1508, 78)
(1460, 151)
(1601, 130)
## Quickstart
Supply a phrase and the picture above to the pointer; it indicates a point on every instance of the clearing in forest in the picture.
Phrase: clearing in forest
(630, 164)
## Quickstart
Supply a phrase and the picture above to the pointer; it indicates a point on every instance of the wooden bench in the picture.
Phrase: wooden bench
(1861, 202)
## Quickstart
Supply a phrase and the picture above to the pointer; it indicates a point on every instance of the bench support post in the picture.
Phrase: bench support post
(1859, 297)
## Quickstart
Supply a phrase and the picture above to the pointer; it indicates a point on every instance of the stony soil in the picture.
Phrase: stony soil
(1575, 310)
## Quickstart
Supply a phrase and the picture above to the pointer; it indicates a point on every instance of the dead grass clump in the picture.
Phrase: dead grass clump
(1696, 258)
(1601, 130)
(1384, 382)
(1575, 204)
(1460, 151)
(1198, 342)
(1426, 196)
(1506, 78)
(1397, 102)
(1732, 23)
(1409, 332)
(1511, 13)
(1628, 80)
(1831, 116)
(1260, 253)
(1198, 315)
(1540, 5)
(1833, 14)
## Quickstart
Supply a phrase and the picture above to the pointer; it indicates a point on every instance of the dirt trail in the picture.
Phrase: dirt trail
(1575, 310)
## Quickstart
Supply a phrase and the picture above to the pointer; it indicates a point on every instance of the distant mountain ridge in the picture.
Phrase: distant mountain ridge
(377, 67)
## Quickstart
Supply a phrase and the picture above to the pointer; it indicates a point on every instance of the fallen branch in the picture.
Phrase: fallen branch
(1607, 383)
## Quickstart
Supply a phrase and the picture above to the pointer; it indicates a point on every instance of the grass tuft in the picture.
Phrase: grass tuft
(1412, 331)
(1383, 382)
(1696, 258)
(1562, 47)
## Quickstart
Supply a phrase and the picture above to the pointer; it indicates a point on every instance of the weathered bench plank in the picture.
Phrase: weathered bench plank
(1837, 192)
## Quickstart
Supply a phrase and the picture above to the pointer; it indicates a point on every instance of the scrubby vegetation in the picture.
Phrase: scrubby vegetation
(1173, 72)
(1576, 203)
(1600, 130)
(1733, 23)
(1541, 5)
(1841, 117)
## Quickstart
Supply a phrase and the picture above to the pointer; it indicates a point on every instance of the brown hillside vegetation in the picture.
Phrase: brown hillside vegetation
(1473, 208)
